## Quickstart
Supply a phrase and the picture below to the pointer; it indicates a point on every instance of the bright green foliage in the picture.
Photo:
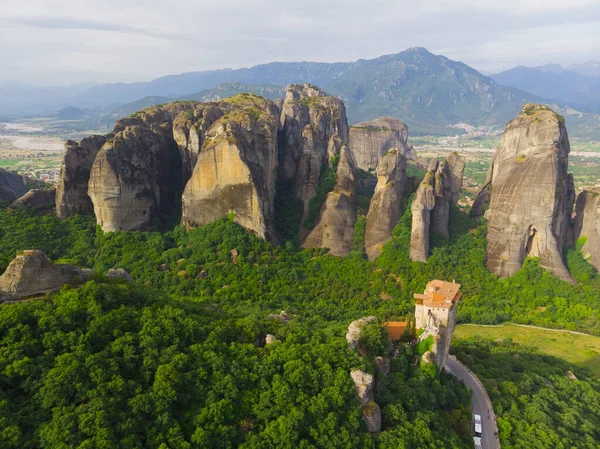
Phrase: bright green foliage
(182, 363)
(374, 338)
(537, 403)
(424, 345)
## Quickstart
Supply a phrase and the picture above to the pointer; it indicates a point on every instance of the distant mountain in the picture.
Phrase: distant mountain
(427, 91)
(71, 113)
(20, 99)
(554, 82)
(591, 68)
(231, 88)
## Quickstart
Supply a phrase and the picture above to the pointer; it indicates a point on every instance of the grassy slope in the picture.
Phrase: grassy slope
(581, 350)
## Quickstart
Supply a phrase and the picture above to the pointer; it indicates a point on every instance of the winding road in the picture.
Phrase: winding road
(480, 402)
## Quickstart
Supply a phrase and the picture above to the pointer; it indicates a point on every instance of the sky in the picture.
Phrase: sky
(64, 42)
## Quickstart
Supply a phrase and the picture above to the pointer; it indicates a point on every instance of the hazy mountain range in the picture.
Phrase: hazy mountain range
(577, 85)
(427, 91)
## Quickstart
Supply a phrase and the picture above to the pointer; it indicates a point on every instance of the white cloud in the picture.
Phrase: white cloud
(48, 41)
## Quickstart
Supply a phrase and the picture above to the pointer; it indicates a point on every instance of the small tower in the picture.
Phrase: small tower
(435, 312)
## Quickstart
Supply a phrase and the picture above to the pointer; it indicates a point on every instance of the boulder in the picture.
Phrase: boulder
(118, 273)
(38, 198)
(531, 202)
(72, 188)
(235, 172)
(354, 330)
(587, 226)
(386, 205)
(12, 182)
(270, 339)
(233, 255)
(334, 227)
(308, 122)
(282, 317)
(369, 141)
(363, 383)
(372, 416)
(32, 274)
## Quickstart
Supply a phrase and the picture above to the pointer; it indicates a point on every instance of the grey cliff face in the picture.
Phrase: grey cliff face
(308, 123)
(136, 175)
(72, 188)
(386, 205)
(12, 184)
(531, 194)
(438, 192)
(587, 226)
(369, 141)
(334, 228)
(31, 274)
(189, 131)
(236, 169)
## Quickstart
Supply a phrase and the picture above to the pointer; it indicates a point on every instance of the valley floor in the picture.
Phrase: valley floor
(577, 348)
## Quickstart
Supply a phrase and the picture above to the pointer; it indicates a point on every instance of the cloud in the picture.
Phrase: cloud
(68, 23)
(62, 41)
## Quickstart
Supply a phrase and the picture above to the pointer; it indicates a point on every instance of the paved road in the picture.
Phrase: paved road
(480, 402)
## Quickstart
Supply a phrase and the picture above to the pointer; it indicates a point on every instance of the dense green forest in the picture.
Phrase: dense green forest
(178, 359)
(541, 402)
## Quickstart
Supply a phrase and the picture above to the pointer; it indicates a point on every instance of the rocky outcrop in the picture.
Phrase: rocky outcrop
(236, 169)
(438, 192)
(369, 141)
(270, 339)
(364, 384)
(387, 202)
(456, 170)
(531, 197)
(355, 329)
(7, 196)
(118, 273)
(12, 182)
(334, 228)
(31, 274)
(189, 131)
(136, 176)
(72, 188)
(309, 121)
(482, 200)
(38, 198)
(587, 226)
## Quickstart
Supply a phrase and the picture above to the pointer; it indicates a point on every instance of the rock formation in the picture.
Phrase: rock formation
(136, 176)
(7, 196)
(72, 188)
(531, 194)
(587, 226)
(334, 228)
(308, 123)
(369, 141)
(364, 382)
(31, 274)
(189, 131)
(386, 205)
(438, 192)
(118, 273)
(355, 329)
(12, 182)
(236, 169)
(36, 198)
